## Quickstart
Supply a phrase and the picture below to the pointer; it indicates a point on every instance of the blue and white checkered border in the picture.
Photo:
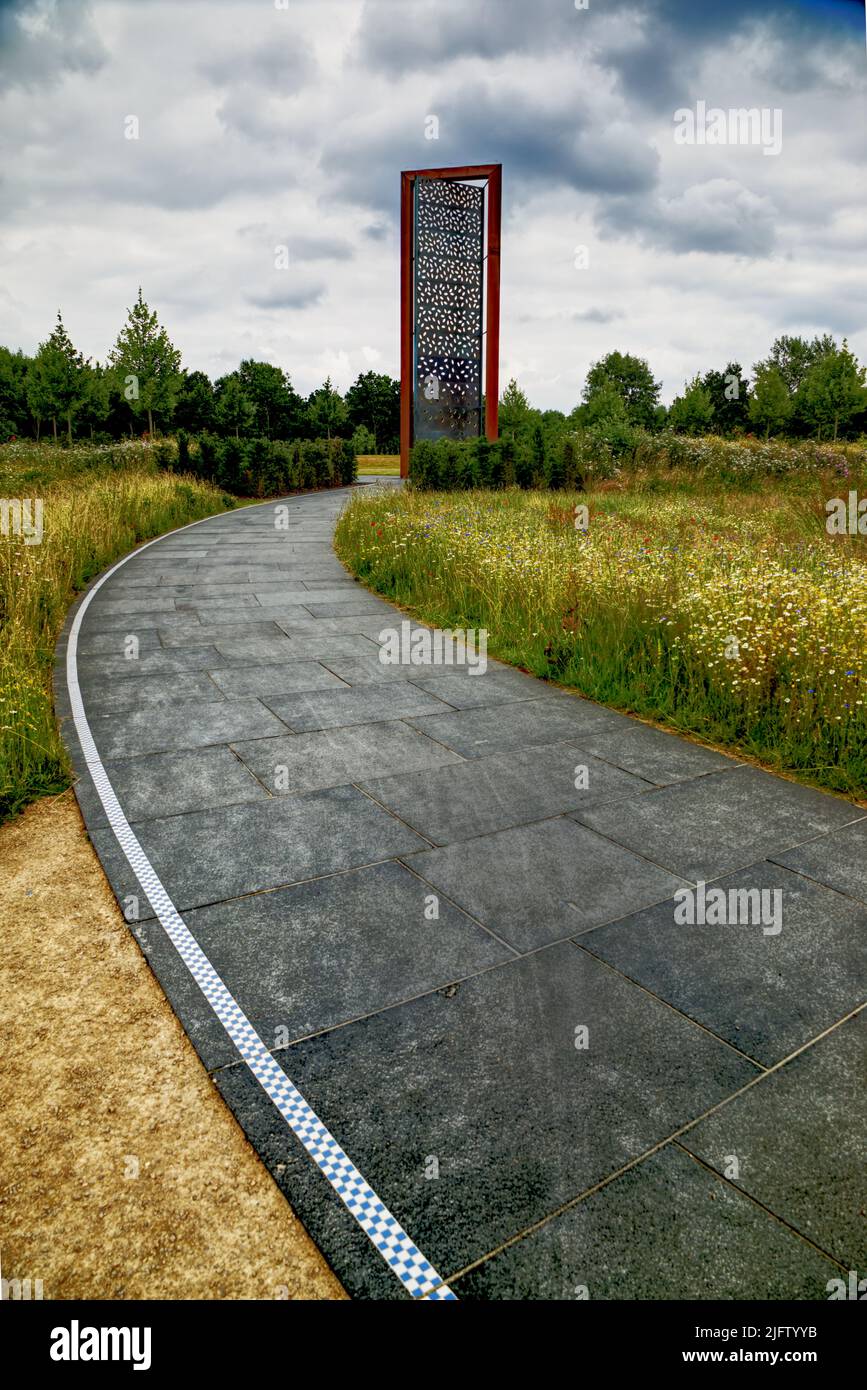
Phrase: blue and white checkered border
(417, 1274)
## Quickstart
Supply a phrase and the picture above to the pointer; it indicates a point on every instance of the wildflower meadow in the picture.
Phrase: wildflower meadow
(732, 616)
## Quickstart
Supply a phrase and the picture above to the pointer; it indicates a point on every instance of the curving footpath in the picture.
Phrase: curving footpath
(421, 927)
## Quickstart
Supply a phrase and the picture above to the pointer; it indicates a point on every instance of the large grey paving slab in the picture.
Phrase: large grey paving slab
(497, 686)
(370, 626)
(838, 860)
(331, 757)
(367, 670)
(261, 556)
(766, 986)
(103, 606)
(152, 596)
(187, 724)
(486, 1079)
(654, 754)
(540, 883)
(193, 634)
(226, 614)
(225, 603)
(321, 594)
(144, 575)
(213, 594)
(475, 732)
(207, 856)
(279, 679)
(159, 618)
(172, 783)
(364, 704)
(798, 1136)
(204, 577)
(287, 594)
(150, 661)
(159, 689)
(665, 1229)
(506, 789)
(299, 960)
(226, 574)
(349, 607)
(260, 649)
(316, 646)
(720, 822)
(306, 575)
(114, 641)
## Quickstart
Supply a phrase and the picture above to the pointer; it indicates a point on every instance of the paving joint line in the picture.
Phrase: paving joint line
(781, 1220)
(673, 1007)
(648, 1153)
(374, 1013)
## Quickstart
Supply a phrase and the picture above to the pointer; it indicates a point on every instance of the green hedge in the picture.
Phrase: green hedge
(578, 459)
(449, 464)
(261, 467)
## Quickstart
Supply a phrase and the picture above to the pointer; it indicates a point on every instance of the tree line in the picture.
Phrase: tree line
(804, 387)
(142, 386)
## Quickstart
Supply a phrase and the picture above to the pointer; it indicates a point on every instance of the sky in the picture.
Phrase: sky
(285, 123)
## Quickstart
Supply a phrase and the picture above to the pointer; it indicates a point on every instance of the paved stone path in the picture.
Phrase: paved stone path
(469, 966)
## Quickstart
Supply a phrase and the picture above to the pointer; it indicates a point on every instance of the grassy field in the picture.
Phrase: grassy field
(388, 464)
(97, 504)
(728, 614)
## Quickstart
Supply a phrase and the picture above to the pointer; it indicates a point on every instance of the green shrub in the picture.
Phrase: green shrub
(164, 456)
(345, 462)
(182, 440)
(207, 457)
(231, 461)
(259, 476)
(363, 441)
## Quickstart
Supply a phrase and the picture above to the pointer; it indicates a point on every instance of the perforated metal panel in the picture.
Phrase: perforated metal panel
(448, 267)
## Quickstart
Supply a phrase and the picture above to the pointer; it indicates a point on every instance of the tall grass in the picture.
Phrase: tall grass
(92, 515)
(730, 615)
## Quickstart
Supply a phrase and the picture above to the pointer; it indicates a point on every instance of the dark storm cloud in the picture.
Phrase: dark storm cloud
(552, 143)
(42, 40)
(652, 52)
(674, 38)
(396, 37)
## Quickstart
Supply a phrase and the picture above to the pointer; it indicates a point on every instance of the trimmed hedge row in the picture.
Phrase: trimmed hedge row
(261, 467)
(576, 460)
(448, 464)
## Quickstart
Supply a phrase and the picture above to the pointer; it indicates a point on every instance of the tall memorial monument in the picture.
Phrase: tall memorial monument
(450, 304)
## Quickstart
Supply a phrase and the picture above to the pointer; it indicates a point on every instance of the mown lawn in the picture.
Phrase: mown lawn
(728, 614)
(97, 504)
(382, 464)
